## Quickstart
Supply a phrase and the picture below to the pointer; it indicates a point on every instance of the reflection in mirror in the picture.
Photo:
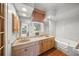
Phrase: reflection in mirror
(24, 30)
(37, 27)
(15, 23)
(46, 26)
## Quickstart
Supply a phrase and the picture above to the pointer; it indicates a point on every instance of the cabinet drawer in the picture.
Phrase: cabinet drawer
(18, 52)
(27, 51)
(23, 45)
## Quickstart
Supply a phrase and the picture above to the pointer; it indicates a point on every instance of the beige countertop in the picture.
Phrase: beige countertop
(33, 39)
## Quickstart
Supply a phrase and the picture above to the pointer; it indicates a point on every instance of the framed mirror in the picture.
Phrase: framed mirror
(24, 30)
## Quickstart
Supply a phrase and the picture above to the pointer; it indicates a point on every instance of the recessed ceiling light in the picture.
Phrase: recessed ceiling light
(24, 9)
(24, 15)
(49, 17)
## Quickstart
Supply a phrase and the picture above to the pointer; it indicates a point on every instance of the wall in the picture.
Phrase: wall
(10, 35)
(67, 28)
(52, 27)
(67, 25)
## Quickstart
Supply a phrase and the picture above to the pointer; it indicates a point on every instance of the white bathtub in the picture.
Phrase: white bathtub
(67, 46)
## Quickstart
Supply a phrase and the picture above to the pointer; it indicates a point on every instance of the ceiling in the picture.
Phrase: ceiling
(49, 8)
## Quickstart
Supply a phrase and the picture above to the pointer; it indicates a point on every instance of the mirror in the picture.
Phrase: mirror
(46, 27)
(36, 27)
(15, 23)
(24, 30)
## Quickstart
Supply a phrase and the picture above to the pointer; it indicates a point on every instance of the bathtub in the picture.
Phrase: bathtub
(67, 46)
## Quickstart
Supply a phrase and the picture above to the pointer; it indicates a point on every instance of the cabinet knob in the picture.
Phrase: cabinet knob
(25, 50)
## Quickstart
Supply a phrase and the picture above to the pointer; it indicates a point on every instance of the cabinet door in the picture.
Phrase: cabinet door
(2, 9)
(18, 52)
(28, 51)
(50, 43)
(1, 24)
(45, 45)
(36, 50)
(41, 46)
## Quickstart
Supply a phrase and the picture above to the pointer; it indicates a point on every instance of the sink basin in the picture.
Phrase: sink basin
(23, 40)
(45, 36)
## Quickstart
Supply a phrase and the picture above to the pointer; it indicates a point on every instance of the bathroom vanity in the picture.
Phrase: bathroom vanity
(32, 46)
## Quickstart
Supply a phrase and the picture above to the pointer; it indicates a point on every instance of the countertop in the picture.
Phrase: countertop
(33, 39)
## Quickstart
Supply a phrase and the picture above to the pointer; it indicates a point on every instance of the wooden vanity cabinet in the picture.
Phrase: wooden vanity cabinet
(33, 49)
(46, 44)
(23, 50)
